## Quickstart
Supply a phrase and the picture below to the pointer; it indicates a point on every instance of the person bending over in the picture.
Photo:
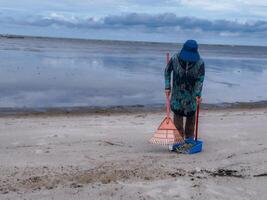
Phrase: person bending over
(188, 71)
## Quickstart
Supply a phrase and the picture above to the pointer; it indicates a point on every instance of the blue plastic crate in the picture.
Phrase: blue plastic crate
(195, 149)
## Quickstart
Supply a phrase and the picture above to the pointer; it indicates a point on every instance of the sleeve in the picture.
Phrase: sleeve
(167, 74)
(199, 81)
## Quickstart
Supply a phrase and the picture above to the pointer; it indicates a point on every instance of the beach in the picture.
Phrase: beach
(106, 155)
(87, 89)
(76, 116)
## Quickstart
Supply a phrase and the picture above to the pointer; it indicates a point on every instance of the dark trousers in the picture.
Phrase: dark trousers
(188, 131)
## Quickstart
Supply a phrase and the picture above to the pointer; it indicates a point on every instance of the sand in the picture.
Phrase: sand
(107, 156)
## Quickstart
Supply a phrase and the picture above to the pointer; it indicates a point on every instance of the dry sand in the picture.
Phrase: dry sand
(107, 156)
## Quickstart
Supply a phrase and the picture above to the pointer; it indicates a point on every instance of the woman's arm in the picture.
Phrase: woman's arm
(199, 81)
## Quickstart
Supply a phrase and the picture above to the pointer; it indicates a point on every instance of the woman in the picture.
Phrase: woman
(188, 75)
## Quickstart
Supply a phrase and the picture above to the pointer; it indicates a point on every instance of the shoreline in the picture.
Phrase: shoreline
(57, 111)
(12, 36)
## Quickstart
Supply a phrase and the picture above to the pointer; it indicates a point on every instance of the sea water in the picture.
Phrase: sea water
(42, 72)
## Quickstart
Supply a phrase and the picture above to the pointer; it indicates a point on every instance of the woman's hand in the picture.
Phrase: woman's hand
(199, 100)
(168, 92)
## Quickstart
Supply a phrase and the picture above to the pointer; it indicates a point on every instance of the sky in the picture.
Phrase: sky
(242, 22)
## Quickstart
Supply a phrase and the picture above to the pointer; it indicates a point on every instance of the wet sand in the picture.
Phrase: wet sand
(107, 156)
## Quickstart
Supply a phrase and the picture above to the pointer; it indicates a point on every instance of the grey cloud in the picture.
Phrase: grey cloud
(150, 22)
(188, 23)
(77, 23)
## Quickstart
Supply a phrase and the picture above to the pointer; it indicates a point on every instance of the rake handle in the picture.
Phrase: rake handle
(167, 96)
(197, 116)
(168, 106)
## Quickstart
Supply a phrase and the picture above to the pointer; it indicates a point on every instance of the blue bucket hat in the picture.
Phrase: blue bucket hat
(189, 51)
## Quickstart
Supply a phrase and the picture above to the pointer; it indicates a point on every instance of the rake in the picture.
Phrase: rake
(167, 133)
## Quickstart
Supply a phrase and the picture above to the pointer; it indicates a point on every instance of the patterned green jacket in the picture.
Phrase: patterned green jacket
(186, 85)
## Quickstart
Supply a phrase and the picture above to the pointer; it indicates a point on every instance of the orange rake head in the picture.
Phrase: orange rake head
(166, 133)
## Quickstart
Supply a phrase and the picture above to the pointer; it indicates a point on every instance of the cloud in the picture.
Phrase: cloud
(210, 9)
(187, 23)
(147, 22)
(165, 27)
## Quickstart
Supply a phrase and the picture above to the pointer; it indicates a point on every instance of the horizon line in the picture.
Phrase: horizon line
(18, 36)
